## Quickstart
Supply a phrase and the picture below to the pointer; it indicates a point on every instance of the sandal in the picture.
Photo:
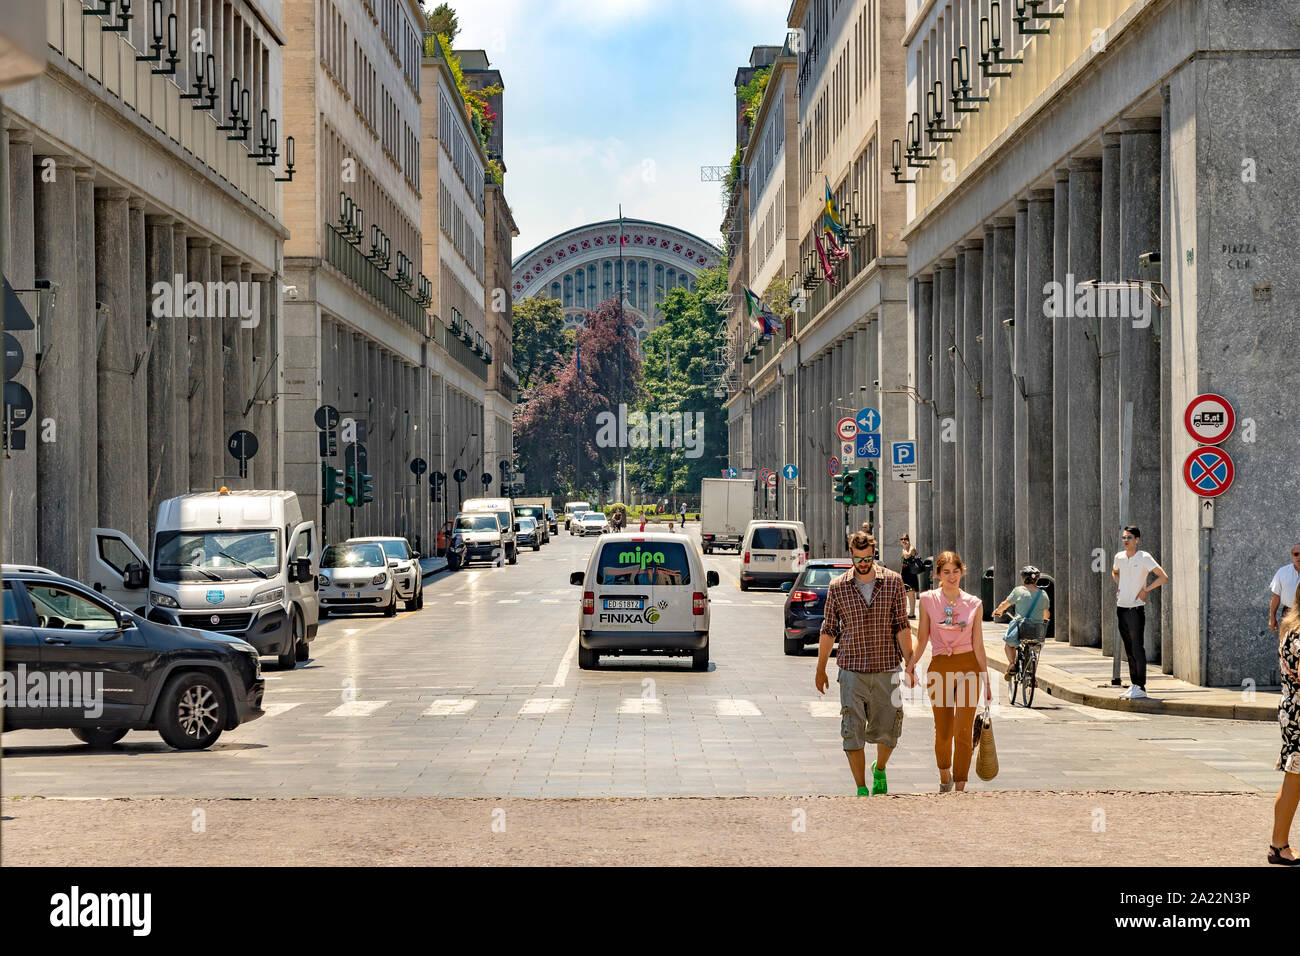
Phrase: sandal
(945, 786)
(1275, 856)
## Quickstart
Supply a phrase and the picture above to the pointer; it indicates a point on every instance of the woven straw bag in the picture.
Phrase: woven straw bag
(986, 760)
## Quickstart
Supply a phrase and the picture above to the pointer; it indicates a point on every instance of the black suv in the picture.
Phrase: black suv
(102, 670)
(806, 601)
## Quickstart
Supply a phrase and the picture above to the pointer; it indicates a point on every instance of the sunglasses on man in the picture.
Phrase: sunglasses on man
(864, 560)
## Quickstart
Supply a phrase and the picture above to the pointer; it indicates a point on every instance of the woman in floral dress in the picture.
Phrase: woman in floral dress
(1288, 717)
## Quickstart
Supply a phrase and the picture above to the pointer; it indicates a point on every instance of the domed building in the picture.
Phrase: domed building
(581, 268)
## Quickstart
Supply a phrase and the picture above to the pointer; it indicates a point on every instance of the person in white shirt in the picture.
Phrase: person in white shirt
(1284, 586)
(1131, 569)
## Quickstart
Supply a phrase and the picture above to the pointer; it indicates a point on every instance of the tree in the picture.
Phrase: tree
(540, 344)
(558, 425)
(679, 358)
(442, 19)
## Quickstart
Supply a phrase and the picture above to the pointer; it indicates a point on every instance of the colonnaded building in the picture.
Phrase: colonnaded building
(582, 268)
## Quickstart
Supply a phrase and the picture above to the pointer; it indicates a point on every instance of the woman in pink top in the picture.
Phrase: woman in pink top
(950, 621)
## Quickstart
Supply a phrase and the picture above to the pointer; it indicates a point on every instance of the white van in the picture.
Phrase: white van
(773, 552)
(242, 563)
(504, 509)
(644, 594)
(572, 509)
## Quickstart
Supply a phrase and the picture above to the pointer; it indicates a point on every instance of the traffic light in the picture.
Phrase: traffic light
(331, 484)
(366, 488)
(869, 485)
(842, 487)
(859, 490)
(350, 488)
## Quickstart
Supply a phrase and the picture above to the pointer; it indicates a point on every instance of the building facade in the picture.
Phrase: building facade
(145, 239)
(1091, 244)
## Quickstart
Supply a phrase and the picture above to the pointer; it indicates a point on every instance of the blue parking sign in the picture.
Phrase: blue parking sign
(868, 445)
(904, 452)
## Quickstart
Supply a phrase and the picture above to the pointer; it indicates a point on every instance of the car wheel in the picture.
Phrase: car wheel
(537, 547)
(413, 604)
(743, 585)
(513, 555)
(708, 550)
(391, 610)
(303, 652)
(192, 711)
(794, 646)
(453, 563)
(297, 633)
(700, 658)
(98, 736)
(419, 605)
(587, 658)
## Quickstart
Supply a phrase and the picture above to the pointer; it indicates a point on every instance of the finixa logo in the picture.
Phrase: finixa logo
(641, 559)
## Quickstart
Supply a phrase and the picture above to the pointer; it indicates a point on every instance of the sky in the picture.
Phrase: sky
(610, 101)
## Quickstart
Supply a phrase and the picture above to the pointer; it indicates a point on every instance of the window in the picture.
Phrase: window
(57, 607)
(11, 606)
(822, 577)
(774, 539)
(353, 556)
(115, 554)
(648, 563)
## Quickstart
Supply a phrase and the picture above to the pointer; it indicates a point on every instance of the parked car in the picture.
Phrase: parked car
(773, 552)
(356, 577)
(408, 578)
(644, 594)
(117, 671)
(806, 601)
(592, 522)
(481, 533)
(530, 534)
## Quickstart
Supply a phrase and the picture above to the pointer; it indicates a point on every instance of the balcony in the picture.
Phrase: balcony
(818, 292)
(372, 280)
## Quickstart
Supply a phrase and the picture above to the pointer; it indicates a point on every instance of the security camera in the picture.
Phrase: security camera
(291, 291)
(1149, 258)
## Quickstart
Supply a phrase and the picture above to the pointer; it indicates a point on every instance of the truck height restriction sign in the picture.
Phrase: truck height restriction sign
(1209, 418)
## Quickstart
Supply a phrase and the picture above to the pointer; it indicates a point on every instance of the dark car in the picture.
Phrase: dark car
(529, 533)
(807, 600)
(552, 522)
(107, 671)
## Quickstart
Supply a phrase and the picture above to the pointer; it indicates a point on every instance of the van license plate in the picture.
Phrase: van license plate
(624, 605)
(765, 557)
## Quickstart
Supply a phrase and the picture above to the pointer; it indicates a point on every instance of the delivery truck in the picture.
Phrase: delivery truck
(726, 508)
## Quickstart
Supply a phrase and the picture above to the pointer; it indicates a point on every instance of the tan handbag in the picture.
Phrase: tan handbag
(986, 761)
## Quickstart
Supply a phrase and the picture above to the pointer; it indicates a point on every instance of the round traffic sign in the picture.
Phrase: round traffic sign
(733, 473)
(460, 474)
(242, 445)
(868, 419)
(771, 479)
(847, 429)
(791, 472)
(18, 404)
(327, 416)
(833, 466)
(419, 466)
(1209, 418)
(13, 356)
(1208, 472)
(486, 478)
(764, 474)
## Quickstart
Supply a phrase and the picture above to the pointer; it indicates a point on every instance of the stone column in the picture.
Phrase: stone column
(21, 491)
(1108, 331)
(180, 355)
(203, 458)
(117, 458)
(973, 450)
(215, 387)
(1169, 423)
(947, 497)
(143, 336)
(1140, 367)
(258, 360)
(162, 393)
(936, 433)
(1019, 404)
(234, 392)
(62, 383)
(960, 397)
(1060, 412)
(1084, 390)
(89, 345)
(922, 297)
(987, 477)
(998, 375)
(1037, 371)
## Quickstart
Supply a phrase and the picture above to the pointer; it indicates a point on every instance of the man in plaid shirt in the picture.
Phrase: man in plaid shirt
(866, 611)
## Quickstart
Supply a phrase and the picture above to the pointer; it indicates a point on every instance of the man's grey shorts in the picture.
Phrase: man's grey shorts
(870, 708)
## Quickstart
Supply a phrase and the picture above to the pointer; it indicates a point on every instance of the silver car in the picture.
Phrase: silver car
(593, 522)
(408, 577)
(356, 577)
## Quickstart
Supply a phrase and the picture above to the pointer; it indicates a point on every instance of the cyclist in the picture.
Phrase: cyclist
(1033, 607)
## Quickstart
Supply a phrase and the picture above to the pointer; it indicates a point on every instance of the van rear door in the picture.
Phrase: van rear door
(644, 585)
(775, 549)
(110, 553)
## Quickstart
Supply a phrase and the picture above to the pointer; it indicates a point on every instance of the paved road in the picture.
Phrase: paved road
(479, 695)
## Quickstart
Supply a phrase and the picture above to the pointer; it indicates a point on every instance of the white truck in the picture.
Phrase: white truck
(726, 508)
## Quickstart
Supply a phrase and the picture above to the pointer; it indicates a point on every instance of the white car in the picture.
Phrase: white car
(644, 593)
(356, 577)
(408, 578)
(481, 533)
(593, 522)
(772, 553)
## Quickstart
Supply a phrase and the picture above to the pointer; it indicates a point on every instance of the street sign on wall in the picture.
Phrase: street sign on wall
(902, 460)
(1208, 472)
(1209, 418)
(833, 467)
(868, 445)
(846, 429)
(869, 420)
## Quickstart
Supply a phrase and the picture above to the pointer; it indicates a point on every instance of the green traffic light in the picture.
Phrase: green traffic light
(869, 486)
(350, 488)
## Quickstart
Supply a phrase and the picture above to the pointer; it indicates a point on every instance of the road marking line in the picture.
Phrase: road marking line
(357, 708)
(733, 707)
(543, 705)
(349, 631)
(449, 706)
(641, 705)
(562, 672)
(464, 602)
(1096, 713)
(1010, 712)
(508, 601)
(823, 708)
(721, 601)
(271, 710)
(550, 601)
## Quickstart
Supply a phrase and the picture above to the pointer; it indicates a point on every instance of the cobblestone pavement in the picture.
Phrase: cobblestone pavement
(479, 695)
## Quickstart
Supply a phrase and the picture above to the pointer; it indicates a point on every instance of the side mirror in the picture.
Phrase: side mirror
(711, 579)
(135, 576)
(577, 578)
(516, 525)
(786, 585)
(805, 548)
(303, 568)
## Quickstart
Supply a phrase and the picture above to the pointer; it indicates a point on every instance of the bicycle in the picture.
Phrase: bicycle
(1024, 673)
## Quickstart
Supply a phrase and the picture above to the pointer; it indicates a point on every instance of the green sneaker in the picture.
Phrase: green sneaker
(878, 783)
(863, 792)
